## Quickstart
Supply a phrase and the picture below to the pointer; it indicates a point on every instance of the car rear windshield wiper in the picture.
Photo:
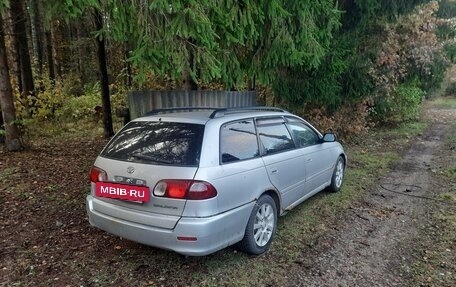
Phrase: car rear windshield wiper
(149, 158)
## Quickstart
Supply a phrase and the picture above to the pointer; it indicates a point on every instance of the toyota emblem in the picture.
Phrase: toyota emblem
(130, 169)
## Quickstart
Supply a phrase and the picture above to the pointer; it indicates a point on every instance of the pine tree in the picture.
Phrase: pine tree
(12, 135)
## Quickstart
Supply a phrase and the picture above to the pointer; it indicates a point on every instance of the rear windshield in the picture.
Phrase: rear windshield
(157, 143)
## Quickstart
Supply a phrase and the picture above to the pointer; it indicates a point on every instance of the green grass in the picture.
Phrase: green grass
(60, 130)
(452, 139)
(410, 129)
(435, 263)
(69, 129)
(300, 228)
(450, 171)
(297, 232)
(7, 172)
(444, 103)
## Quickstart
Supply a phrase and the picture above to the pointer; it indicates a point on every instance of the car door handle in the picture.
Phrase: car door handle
(274, 171)
(309, 160)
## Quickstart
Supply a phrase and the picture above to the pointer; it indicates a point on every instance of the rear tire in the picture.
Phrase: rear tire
(338, 175)
(261, 227)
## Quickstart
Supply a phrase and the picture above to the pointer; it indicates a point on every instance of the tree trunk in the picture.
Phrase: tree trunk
(80, 52)
(12, 135)
(50, 56)
(37, 34)
(128, 78)
(2, 136)
(105, 100)
(20, 33)
(14, 52)
(188, 84)
(251, 83)
(55, 48)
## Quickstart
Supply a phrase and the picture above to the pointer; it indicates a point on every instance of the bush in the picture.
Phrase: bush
(431, 80)
(401, 106)
(350, 119)
(450, 90)
(43, 104)
(51, 96)
(81, 107)
(447, 9)
(450, 51)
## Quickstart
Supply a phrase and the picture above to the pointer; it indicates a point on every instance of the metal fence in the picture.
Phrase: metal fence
(141, 102)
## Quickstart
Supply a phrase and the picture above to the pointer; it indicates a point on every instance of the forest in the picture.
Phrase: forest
(347, 64)
(380, 73)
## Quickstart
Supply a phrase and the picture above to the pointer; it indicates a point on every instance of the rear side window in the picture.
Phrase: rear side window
(157, 143)
(238, 141)
(274, 135)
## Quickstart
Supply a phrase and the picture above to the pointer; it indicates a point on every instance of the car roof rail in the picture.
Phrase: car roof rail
(220, 112)
(177, 109)
(217, 112)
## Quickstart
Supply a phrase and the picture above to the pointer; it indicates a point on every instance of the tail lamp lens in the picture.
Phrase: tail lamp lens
(201, 190)
(97, 174)
(185, 189)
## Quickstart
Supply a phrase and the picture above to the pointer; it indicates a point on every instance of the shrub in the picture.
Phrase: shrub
(450, 50)
(447, 9)
(43, 104)
(451, 90)
(81, 107)
(401, 106)
(350, 119)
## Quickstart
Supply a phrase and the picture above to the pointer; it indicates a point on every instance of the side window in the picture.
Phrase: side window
(303, 135)
(274, 136)
(238, 141)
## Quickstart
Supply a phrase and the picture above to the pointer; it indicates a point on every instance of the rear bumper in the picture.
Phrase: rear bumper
(212, 233)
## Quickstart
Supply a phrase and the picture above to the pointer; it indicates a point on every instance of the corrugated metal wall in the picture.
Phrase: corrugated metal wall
(141, 102)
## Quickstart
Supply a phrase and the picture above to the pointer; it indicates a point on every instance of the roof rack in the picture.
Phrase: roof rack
(220, 112)
(217, 112)
(177, 109)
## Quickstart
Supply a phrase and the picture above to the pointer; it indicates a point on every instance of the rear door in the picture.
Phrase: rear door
(239, 175)
(284, 164)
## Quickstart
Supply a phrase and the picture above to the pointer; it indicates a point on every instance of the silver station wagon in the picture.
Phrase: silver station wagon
(196, 180)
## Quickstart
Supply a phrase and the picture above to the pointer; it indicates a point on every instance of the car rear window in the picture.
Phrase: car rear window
(165, 143)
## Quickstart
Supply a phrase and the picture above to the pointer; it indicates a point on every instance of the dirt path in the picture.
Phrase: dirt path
(375, 243)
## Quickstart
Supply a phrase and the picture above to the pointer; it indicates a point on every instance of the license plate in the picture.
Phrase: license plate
(122, 191)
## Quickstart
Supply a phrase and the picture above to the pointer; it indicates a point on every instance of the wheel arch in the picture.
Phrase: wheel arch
(344, 157)
(275, 196)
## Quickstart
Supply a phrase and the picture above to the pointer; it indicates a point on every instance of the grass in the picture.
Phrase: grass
(297, 232)
(444, 103)
(7, 172)
(301, 227)
(435, 264)
(369, 157)
(55, 130)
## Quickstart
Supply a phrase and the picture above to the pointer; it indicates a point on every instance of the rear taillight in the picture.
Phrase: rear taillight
(185, 189)
(97, 174)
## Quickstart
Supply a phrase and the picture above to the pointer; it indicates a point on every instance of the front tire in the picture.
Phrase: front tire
(338, 175)
(261, 227)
